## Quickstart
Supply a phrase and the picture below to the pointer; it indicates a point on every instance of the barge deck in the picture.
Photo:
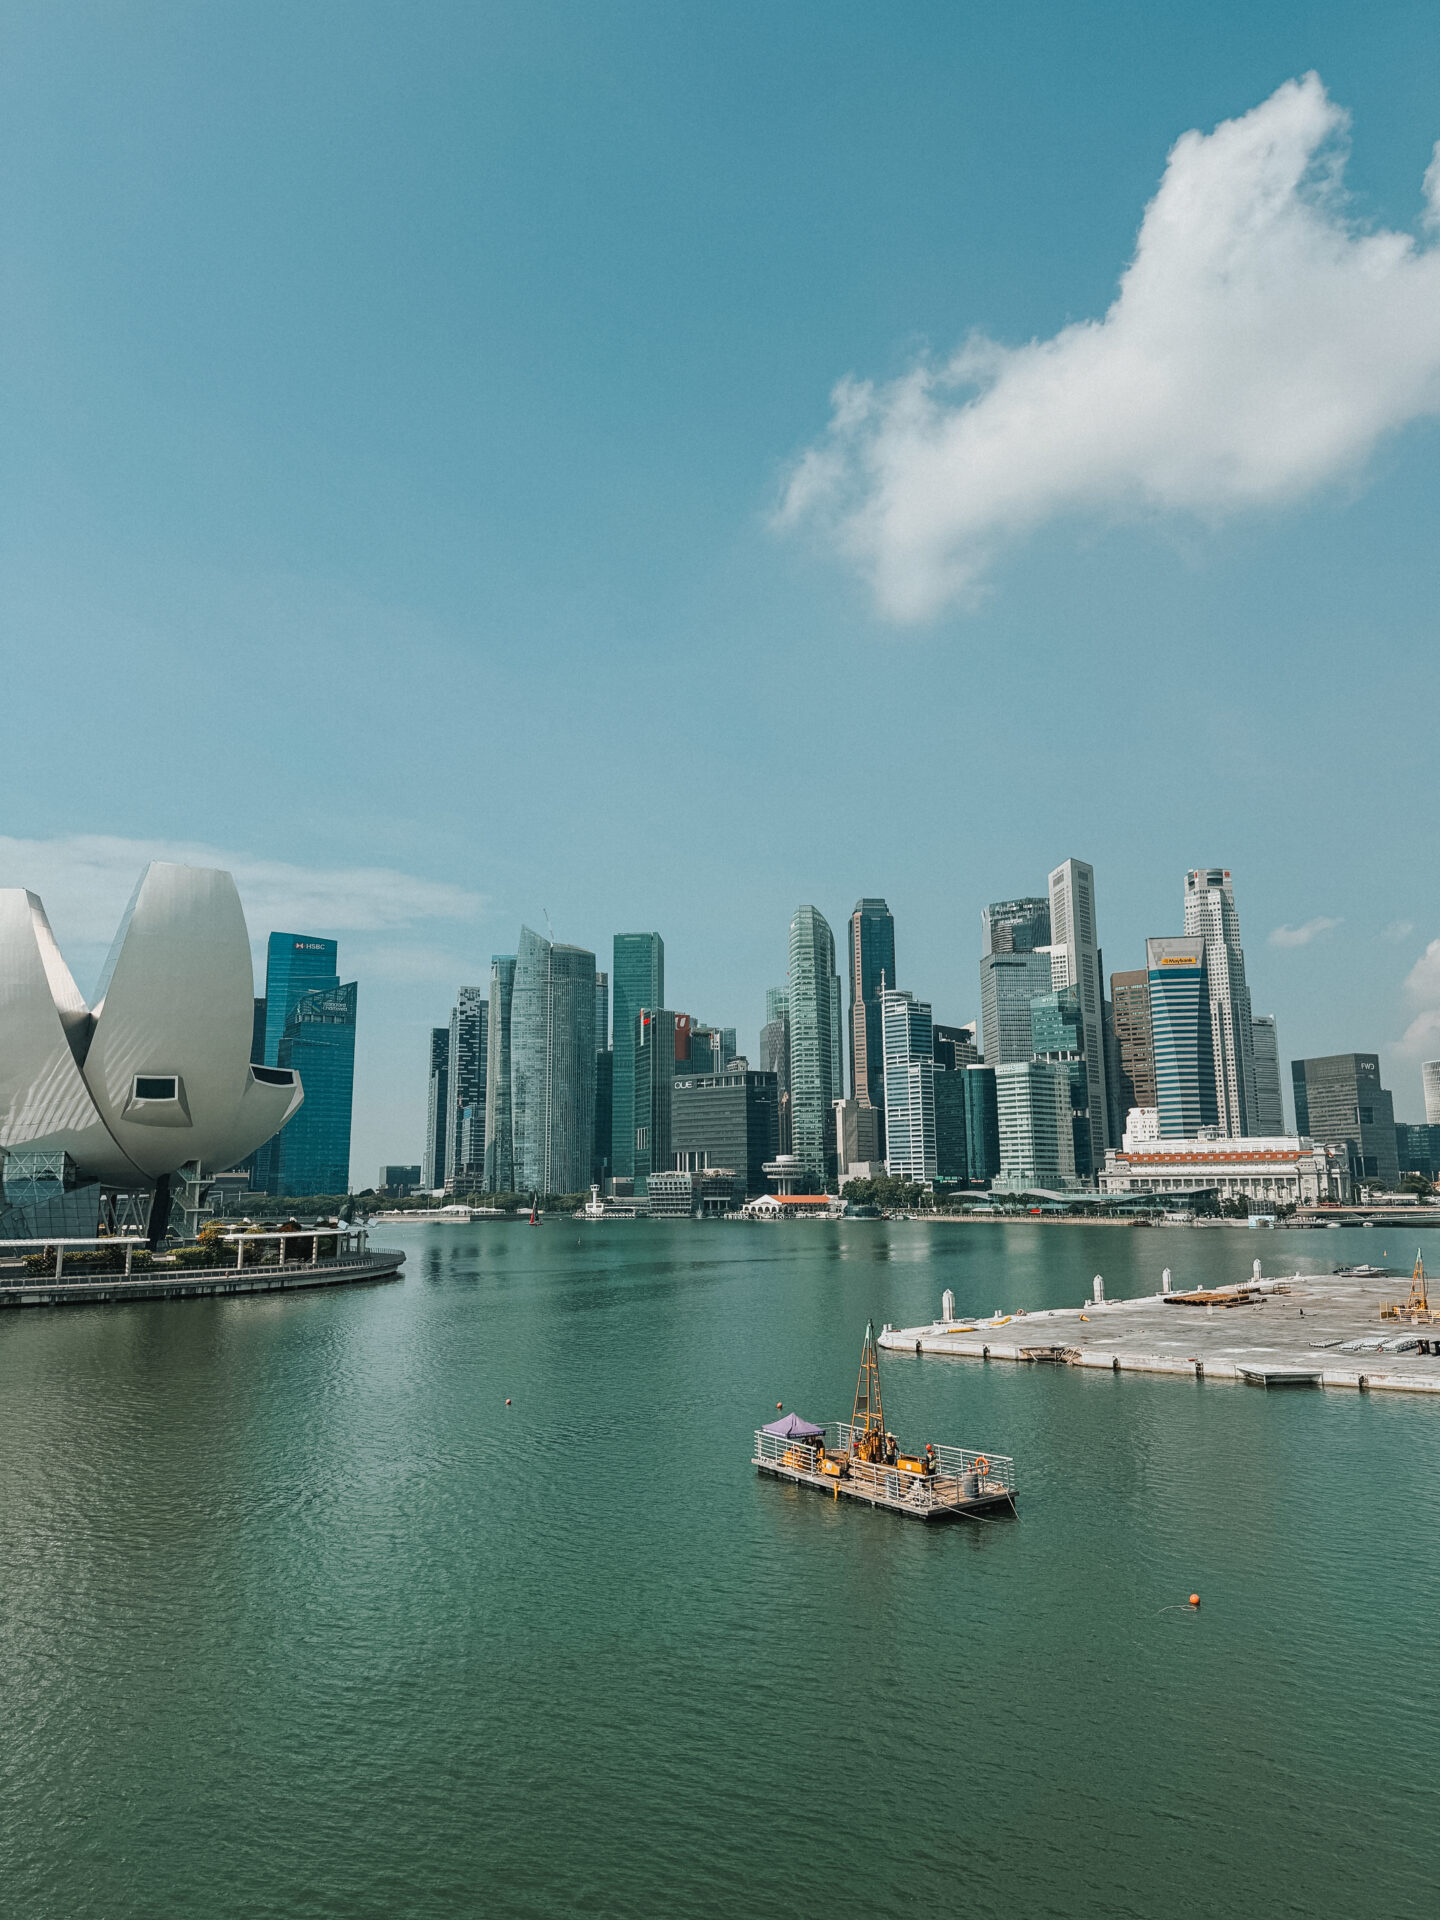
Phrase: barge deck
(965, 1484)
(261, 1266)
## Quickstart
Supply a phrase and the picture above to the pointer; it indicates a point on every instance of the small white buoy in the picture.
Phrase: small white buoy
(1165, 1281)
(1099, 1289)
(947, 1305)
(1255, 1270)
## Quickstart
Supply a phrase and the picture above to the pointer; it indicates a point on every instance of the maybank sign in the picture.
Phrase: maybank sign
(1180, 960)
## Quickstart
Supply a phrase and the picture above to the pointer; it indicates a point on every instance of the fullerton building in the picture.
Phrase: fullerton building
(1268, 1172)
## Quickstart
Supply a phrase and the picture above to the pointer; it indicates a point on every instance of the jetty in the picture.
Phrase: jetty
(1349, 1330)
(74, 1272)
(857, 1459)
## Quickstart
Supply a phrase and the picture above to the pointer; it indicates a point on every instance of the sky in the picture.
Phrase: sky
(653, 466)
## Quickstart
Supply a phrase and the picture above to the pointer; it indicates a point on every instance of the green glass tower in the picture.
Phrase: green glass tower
(637, 979)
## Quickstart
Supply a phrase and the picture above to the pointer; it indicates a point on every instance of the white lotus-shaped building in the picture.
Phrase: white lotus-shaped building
(157, 1074)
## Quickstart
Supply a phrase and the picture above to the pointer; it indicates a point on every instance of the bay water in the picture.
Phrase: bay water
(459, 1596)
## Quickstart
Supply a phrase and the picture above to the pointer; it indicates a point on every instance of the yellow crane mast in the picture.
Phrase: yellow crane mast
(867, 1422)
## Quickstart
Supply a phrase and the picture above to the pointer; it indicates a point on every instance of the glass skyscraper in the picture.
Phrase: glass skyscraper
(1134, 1043)
(1015, 926)
(1210, 916)
(653, 1052)
(319, 1043)
(1269, 1095)
(637, 979)
(469, 1048)
(1339, 1098)
(775, 1056)
(872, 966)
(294, 964)
(1037, 1139)
(499, 1127)
(1075, 961)
(1057, 1036)
(816, 1021)
(1008, 983)
(982, 1126)
(1180, 1026)
(552, 1065)
(437, 1110)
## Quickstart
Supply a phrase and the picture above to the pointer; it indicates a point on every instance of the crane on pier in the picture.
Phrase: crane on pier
(867, 1422)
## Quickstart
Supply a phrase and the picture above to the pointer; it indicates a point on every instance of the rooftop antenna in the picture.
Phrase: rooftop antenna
(549, 930)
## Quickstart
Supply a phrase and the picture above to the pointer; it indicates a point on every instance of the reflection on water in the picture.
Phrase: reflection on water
(300, 1617)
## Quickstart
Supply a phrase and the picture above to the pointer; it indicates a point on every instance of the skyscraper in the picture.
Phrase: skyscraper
(1210, 915)
(602, 1011)
(1339, 1098)
(1269, 1097)
(951, 1160)
(437, 1110)
(982, 1125)
(295, 963)
(775, 1056)
(319, 1043)
(469, 1045)
(815, 1024)
(1015, 926)
(1134, 1043)
(872, 966)
(1037, 1149)
(652, 1101)
(499, 1111)
(1075, 962)
(1008, 983)
(956, 1047)
(1183, 1048)
(1057, 1036)
(552, 1065)
(603, 1158)
(909, 1061)
(637, 979)
(1430, 1081)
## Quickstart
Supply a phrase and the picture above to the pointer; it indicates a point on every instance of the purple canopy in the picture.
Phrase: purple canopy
(792, 1427)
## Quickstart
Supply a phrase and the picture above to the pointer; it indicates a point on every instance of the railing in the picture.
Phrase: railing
(964, 1474)
(113, 1257)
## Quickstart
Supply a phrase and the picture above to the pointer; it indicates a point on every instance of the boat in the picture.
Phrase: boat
(859, 1459)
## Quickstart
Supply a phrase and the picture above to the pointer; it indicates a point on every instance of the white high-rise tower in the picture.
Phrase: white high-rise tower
(1210, 915)
(1075, 962)
(1430, 1080)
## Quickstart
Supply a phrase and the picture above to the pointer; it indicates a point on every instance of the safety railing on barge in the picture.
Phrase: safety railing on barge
(964, 1474)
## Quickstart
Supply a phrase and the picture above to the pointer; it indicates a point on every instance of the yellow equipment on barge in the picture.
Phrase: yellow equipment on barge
(857, 1459)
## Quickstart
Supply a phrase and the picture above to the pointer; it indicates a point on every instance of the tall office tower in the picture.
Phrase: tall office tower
(1057, 1037)
(1037, 1149)
(437, 1110)
(295, 964)
(319, 1043)
(982, 1126)
(775, 1055)
(1210, 915)
(1008, 983)
(637, 979)
(604, 1113)
(1075, 962)
(469, 1047)
(1015, 926)
(499, 1106)
(552, 1065)
(857, 1139)
(950, 1149)
(815, 1021)
(1269, 1097)
(1417, 1149)
(728, 1119)
(1430, 1081)
(653, 1093)
(955, 1047)
(1339, 1098)
(602, 1011)
(1134, 1043)
(872, 966)
(909, 1043)
(1183, 1049)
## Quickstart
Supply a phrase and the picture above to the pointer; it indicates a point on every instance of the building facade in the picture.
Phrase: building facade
(1210, 916)
(1338, 1097)
(857, 1140)
(552, 1065)
(1417, 1149)
(956, 1047)
(730, 1120)
(1008, 983)
(1269, 1088)
(499, 1110)
(816, 1022)
(1015, 926)
(872, 967)
(1037, 1150)
(951, 1156)
(653, 1096)
(775, 1054)
(437, 1110)
(982, 1126)
(1075, 961)
(1183, 1048)
(469, 1051)
(909, 1043)
(1267, 1173)
(1058, 1035)
(1430, 1082)
(319, 1045)
(1134, 1042)
(637, 979)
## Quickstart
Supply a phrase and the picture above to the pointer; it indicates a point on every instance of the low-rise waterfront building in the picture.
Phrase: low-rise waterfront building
(1266, 1172)
(702, 1193)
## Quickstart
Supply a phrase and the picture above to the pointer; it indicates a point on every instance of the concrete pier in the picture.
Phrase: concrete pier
(1299, 1330)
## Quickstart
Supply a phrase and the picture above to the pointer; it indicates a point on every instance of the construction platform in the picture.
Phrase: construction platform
(965, 1483)
(1299, 1330)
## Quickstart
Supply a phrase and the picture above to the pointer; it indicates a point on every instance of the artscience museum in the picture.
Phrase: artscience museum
(103, 1107)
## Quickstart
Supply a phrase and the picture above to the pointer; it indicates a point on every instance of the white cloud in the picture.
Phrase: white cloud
(85, 881)
(1398, 930)
(1302, 936)
(1260, 344)
(1421, 1039)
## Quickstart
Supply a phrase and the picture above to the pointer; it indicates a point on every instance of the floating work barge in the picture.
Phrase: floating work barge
(104, 1272)
(857, 1459)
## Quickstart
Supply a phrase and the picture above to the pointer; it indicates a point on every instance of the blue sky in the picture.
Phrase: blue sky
(398, 403)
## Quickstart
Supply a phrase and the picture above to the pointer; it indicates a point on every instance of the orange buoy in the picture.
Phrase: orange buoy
(1194, 1599)
(507, 1403)
(779, 1406)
